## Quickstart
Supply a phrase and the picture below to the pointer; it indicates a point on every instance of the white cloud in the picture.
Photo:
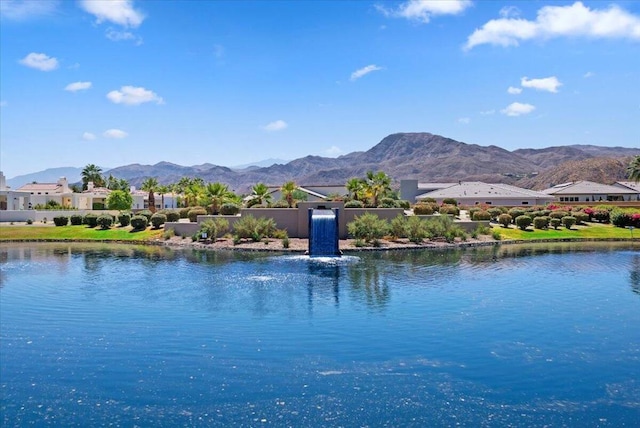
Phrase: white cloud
(20, 10)
(549, 84)
(518, 109)
(575, 20)
(132, 95)
(509, 12)
(333, 151)
(364, 71)
(115, 133)
(119, 12)
(464, 120)
(513, 90)
(588, 74)
(277, 125)
(423, 10)
(77, 86)
(119, 36)
(88, 136)
(487, 112)
(39, 61)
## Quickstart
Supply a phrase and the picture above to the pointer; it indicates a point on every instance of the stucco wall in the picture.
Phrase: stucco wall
(24, 215)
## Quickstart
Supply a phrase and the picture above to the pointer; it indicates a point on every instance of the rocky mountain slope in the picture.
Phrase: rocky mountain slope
(422, 156)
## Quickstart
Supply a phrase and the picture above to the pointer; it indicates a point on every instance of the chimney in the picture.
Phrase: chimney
(90, 186)
(64, 184)
(3, 182)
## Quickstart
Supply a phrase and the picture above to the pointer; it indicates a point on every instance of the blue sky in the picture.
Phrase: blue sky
(232, 82)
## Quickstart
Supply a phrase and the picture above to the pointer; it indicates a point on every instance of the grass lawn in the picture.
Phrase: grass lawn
(34, 232)
(588, 231)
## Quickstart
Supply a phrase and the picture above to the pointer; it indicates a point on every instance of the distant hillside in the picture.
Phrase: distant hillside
(422, 156)
(51, 175)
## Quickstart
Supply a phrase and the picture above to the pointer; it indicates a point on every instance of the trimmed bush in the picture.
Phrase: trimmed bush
(354, 204)
(139, 222)
(105, 221)
(158, 219)
(429, 200)
(401, 203)
(481, 215)
(581, 217)
(124, 219)
(172, 215)
(558, 214)
(146, 213)
(505, 219)
(495, 212)
(61, 220)
(195, 212)
(621, 218)
(423, 209)
(449, 209)
(516, 212)
(601, 215)
(229, 209)
(97, 206)
(387, 203)
(568, 221)
(523, 222)
(90, 219)
(368, 227)
(541, 222)
(76, 219)
(184, 212)
(449, 201)
(555, 223)
(282, 203)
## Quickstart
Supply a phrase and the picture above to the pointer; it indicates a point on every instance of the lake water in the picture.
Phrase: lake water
(128, 336)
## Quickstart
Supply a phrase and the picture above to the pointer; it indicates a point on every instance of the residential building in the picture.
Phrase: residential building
(588, 191)
(12, 200)
(479, 193)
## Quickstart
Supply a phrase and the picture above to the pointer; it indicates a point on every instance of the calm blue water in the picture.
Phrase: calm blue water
(538, 336)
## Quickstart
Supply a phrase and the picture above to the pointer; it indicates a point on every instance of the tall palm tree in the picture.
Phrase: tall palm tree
(356, 188)
(378, 184)
(192, 193)
(287, 190)
(634, 169)
(260, 194)
(150, 185)
(162, 189)
(218, 194)
(92, 173)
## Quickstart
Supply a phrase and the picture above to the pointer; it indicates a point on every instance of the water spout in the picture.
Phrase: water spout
(323, 233)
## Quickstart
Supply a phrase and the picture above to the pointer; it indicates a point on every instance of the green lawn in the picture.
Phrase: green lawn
(35, 232)
(589, 231)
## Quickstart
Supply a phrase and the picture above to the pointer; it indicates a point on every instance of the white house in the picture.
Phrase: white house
(12, 200)
(478, 193)
(42, 193)
(588, 191)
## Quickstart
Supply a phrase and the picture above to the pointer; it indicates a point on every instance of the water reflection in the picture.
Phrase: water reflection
(634, 274)
(369, 284)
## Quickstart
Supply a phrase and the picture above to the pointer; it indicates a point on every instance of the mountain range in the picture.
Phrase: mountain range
(423, 156)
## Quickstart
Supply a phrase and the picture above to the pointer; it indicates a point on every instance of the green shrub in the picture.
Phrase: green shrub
(555, 223)
(558, 214)
(449, 209)
(496, 235)
(495, 212)
(523, 221)
(124, 219)
(401, 203)
(285, 242)
(255, 228)
(516, 212)
(61, 220)
(423, 209)
(505, 219)
(368, 227)
(601, 215)
(568, 221)
(172, 215)
(184, 212)
(158, 220)
(387, 203)
(398, 227)
(214, 228)
(104, 221)
(168, 234)
(581, 217)
(76, 219)
(282, 203)
(541, 222)
(449, 201)
(481, 215)
(416, 229)
(146, 213)
(354, 204)
(90, 219)
(229, 209)
(97, 206)
(139, 222)
(29, 221)
(194, 212)
(621, 218)
(429, 200)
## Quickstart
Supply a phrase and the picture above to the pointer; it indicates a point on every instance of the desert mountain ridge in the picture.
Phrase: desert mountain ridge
(423, 156)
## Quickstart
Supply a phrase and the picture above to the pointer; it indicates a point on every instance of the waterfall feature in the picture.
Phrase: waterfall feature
(323, 233)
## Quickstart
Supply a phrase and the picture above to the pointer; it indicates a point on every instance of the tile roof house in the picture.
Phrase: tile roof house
(588, 191)
(42, 193)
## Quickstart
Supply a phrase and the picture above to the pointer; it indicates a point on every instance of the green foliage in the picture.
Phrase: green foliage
(354, 204)
(90, 219)
(76, 219)
(172, 215)
(158, 219)
(282, 203)
(61, 220)
(449, 201)
(505, 219)
(622, 218)
(104, 221)
(119, 200)
(401, 203)
(515, 213)
(423, 209)
(398, 227)
(449, 209)
(555, 223)
(568, 221)
(124, 219)
(581, 217)
(368, 227)
(602, 215)
(558, 214)
(229, 209)
(387, 203)
(168, 234)
(146, 213)
(184, 212)
(214, 228)
(97, 206)
(139, 222)
(255, 228)
(496, 235)
(416, 229)
(285, 242)
(195, 212)
(523, 221)
(481, 215)
(541, 222)
(29, 221)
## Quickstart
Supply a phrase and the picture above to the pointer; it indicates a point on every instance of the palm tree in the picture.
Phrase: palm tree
(287, 190)
(92, 173)
(218, 194)
(150, 185)
(162, 189)
(634, 169)
(378, 184)
(355, 187)
(192, 193)
(260, 194)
